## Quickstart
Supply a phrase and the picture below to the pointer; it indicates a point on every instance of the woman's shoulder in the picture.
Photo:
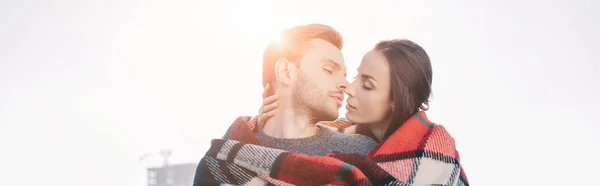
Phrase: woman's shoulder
(441, 132)
(435, 130)
(441, 141)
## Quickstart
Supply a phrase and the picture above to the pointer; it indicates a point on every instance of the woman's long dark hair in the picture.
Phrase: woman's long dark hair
(411, 74)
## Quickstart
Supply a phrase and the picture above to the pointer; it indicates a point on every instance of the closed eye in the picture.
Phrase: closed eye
(329, 69)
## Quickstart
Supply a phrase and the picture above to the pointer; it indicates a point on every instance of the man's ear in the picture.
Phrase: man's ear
(285, 71)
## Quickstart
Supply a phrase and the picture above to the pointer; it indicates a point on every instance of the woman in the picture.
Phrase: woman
(387, 101)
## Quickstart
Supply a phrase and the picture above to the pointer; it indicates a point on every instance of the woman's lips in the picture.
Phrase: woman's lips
(349, 106)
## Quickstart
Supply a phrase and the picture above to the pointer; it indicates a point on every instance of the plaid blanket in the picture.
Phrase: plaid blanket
(418, 153)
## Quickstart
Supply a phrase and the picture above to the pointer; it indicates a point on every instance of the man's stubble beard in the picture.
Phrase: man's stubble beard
(307, 100)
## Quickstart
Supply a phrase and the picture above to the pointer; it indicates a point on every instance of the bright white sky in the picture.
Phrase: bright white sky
(86, 87)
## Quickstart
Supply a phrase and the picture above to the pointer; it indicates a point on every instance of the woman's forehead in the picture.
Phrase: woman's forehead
(373, 64)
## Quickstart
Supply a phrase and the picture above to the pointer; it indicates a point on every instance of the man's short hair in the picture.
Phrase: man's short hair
(292, 45)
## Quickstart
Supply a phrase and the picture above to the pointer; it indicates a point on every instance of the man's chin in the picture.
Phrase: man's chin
(326, 113)
(328, 116)
(333, 116)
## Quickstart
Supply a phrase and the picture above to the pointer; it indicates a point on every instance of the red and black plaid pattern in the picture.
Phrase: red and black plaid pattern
(418, 153)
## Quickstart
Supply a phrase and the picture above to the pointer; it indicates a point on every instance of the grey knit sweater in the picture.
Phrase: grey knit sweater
(325, 141)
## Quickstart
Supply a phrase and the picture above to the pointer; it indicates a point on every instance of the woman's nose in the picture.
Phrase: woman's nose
(348, 91)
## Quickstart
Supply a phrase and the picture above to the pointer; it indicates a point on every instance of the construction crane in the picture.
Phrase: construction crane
(166, 154)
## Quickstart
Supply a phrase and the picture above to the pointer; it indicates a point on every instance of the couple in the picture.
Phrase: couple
(387, 138)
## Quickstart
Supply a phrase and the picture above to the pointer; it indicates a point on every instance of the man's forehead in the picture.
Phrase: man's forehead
(327, 51)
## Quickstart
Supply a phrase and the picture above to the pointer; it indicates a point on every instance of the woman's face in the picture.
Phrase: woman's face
(369, 95)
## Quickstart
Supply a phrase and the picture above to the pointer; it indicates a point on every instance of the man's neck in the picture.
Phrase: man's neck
(287, 124)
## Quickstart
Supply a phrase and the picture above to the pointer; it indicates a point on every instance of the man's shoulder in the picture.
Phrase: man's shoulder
(341, 142)
(356, 142)
(352, 138)
(357, 137)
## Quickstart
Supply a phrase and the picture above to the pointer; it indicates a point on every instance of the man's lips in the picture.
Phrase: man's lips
(338, 98)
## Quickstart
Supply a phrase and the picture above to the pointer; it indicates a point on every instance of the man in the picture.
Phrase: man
(307, 72)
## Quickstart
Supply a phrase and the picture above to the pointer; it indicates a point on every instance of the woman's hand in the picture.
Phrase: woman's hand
(267, 110)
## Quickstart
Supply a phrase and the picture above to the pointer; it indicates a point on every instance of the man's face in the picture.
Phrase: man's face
(322, 73)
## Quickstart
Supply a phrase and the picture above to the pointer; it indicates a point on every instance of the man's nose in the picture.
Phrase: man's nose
(342, 86)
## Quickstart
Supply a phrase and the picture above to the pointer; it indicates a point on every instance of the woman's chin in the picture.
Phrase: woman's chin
(349, 116)
(354, 118)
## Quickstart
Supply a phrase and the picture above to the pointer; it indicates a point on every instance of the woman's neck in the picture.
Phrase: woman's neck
(379, 129)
